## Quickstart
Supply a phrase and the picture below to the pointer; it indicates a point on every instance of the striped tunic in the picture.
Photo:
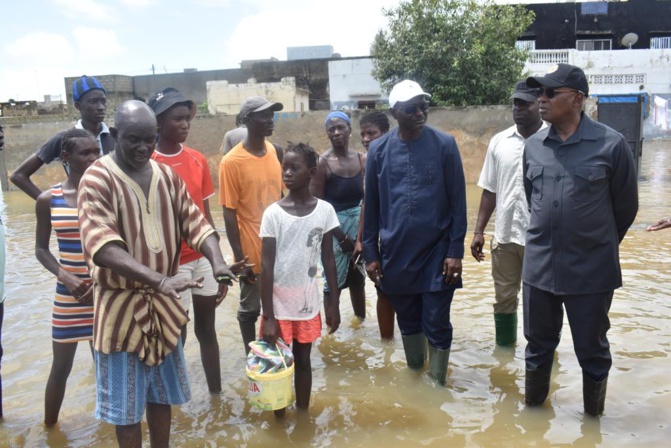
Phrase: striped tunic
(72, 321)
(130, 316)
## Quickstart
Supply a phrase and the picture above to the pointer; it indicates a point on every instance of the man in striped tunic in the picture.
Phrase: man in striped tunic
(133, 213)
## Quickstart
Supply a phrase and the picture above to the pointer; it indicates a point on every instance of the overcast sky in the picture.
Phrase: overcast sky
(44, 41)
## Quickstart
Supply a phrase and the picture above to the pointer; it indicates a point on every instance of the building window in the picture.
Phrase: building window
(529, 45)
(594, 8)
(593, 44)
(659, 43)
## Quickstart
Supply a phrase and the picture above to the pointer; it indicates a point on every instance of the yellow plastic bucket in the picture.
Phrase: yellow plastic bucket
(271, 391)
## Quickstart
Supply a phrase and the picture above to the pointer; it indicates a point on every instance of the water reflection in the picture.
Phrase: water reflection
(362, 393)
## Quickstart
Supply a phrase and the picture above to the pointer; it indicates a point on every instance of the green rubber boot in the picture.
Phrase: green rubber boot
(438, 360)
(594, 394)
(415, 350)
(506, 328)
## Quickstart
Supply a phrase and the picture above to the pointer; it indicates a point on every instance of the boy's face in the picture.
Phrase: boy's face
(175, 122)
(92, 106)
(369, 132)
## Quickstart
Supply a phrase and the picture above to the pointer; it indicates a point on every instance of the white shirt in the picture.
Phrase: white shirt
(502, 174)
(103, 130)
(298, 253)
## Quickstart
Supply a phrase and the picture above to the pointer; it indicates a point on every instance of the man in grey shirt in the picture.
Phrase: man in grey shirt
(580, 182)
(234, 136)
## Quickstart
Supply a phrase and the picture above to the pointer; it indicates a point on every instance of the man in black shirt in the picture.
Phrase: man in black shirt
(581, 186)
(90, 99)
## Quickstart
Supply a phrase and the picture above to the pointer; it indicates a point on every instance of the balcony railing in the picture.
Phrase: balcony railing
(660, 43)
(549, 57)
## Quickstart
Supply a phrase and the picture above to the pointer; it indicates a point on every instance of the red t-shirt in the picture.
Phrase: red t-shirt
(191, 166)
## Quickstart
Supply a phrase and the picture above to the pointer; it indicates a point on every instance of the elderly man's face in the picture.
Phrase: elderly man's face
(135, 141)
(411, 115)
(557, 104)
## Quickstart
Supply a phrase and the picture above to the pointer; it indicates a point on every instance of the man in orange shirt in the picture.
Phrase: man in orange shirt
(250, 179)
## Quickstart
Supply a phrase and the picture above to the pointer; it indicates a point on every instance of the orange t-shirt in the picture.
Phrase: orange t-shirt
(192, 168)
(248, 184)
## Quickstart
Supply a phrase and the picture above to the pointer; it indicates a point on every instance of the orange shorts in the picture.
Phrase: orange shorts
(304, 331)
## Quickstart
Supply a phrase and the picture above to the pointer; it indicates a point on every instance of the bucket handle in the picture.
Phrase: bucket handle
(281, 356)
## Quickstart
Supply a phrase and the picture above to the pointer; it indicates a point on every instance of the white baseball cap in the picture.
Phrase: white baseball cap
(404, 91)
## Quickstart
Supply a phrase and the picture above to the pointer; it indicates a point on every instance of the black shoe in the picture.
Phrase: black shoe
(537, 384)
(594, 394)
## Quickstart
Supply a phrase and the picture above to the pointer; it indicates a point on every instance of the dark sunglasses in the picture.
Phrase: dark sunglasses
(410, 109)
(550, 92)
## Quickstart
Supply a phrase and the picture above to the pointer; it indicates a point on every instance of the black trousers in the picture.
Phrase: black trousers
(588, 318)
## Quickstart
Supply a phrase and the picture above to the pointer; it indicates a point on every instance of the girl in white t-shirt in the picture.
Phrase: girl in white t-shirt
(294, 232)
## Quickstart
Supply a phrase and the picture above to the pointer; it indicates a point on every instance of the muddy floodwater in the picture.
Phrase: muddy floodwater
(363, 395)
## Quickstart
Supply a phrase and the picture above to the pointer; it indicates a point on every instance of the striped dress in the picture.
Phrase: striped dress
(72, 321)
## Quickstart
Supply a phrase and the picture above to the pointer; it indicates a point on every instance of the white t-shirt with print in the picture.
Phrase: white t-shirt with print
(298, 243)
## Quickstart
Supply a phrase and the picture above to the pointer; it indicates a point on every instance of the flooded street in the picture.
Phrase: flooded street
(363, 395)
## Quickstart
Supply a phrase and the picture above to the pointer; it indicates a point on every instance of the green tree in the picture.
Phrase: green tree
(461, 51)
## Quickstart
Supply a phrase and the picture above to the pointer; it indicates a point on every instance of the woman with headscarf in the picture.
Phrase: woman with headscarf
(339, 181)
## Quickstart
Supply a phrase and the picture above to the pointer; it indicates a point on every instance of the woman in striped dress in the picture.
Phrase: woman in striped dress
(73, 305)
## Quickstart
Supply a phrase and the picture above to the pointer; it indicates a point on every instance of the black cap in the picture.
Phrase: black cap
(561, 75)
(524, 92)
(168, 97)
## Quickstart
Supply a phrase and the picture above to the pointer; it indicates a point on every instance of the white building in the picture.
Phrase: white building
(351, 85)
(614, 71)
(225, 98)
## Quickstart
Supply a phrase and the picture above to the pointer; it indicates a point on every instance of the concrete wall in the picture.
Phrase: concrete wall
(473, 127)
(350, 82)
(225, 98)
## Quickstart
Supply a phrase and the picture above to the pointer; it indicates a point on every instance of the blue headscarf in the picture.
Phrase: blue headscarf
(337, 114)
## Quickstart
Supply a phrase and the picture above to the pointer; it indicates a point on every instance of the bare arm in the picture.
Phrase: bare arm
(487, 206)
(116, 258)
(662, 224)
(233, 232)
(77, 287)
(208, 216)
(43, 233)
(271, 330)
(21, 176)
(332, 307)
(358, 245)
